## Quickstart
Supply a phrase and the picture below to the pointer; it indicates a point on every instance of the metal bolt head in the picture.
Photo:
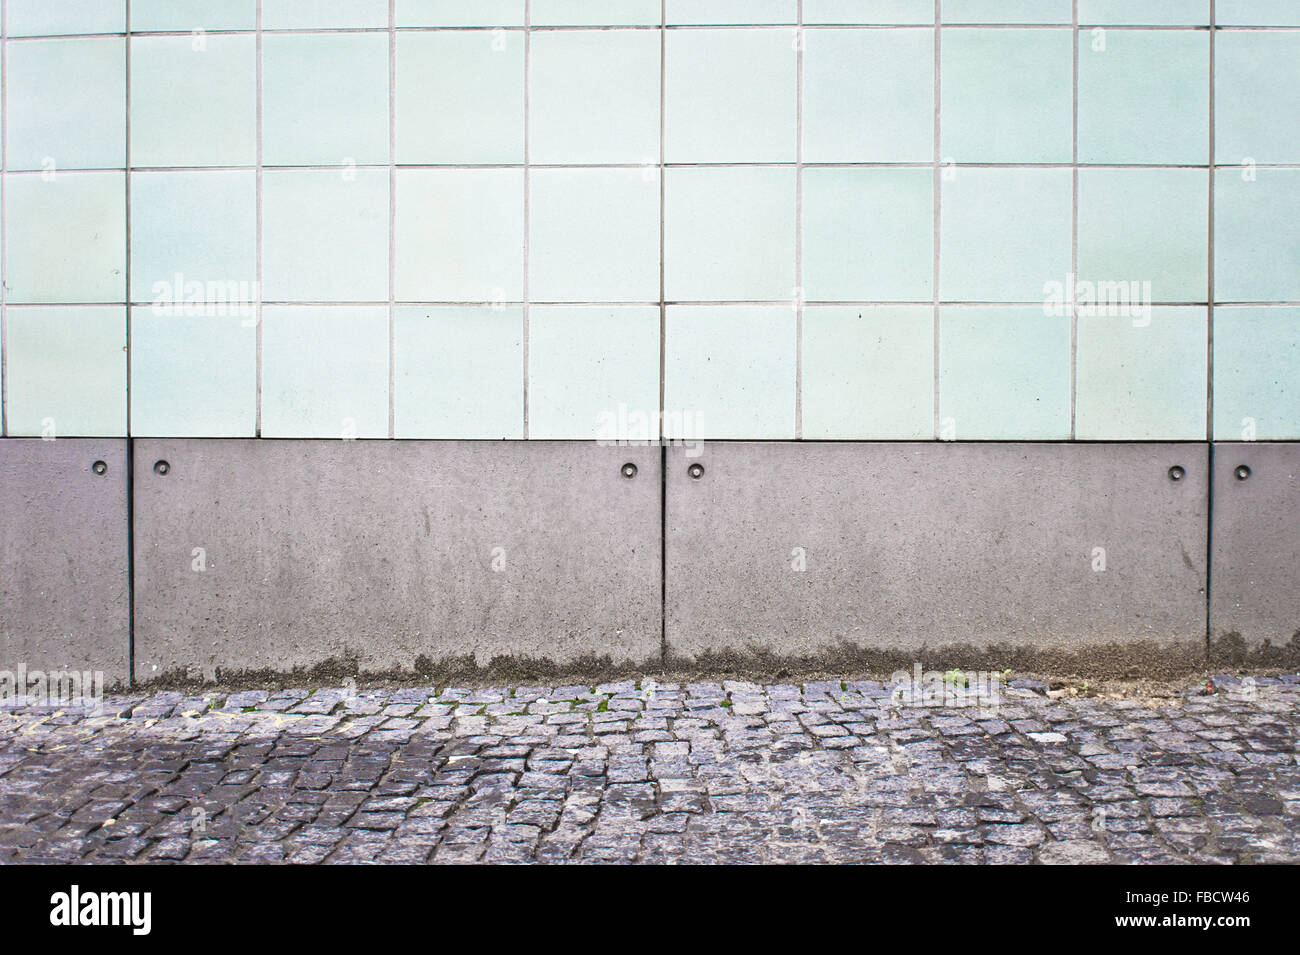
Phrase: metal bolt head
(629, 470)
(161, 467)
(696, 471)
(1242, 472)
(100, 468)
(1177, 472)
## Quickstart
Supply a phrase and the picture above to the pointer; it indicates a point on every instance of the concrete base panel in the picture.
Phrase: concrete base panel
(1086, 557)
(260, 556)
(64, 576)
(1255, 567)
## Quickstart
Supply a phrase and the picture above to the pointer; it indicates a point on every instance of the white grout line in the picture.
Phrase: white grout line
(528, 82)
(663, 196)
(332, 167)
(1209, 292)
(684, 27)
(392, 218)
(798, 227)
(257, 417)
(741, 303)
(4, 199)
(937, 165)
(126, 216)
(1074, 225)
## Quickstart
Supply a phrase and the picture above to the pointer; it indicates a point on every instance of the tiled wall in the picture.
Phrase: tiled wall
(770, 218)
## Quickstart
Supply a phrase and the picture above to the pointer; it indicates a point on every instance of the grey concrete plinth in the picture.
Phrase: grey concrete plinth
(1089, 558)
(387, 556)
(1255, 567)
(63, 556)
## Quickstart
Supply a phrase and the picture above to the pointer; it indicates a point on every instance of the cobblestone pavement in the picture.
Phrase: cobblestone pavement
(711, 772)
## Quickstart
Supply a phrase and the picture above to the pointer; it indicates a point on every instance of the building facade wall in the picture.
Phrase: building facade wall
(661, 221)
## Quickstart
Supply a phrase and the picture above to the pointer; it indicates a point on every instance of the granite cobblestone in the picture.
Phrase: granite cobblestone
(708, 772)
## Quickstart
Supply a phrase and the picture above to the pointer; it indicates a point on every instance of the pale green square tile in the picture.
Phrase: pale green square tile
(594, 96)
(190, 15)
(868, 235)
(868, 11)
(310, 14)
(565, 13)
(1256, 388)
(460, 97)
(193, 107)
(1257, 96)
(459, 13)
(732, 11)
(1005, 233)
(1144, 96)
(1142, 378)
(1257, 13)
(729, 234)
(65, 239)
(325, 235)
(65, 372)
(593, 236)
(66, 103)
(193, 227)
(1145, 12)
(1004, 374)
(1007, 11)
(589, 364)
(324, 99)
(460, 235)
(459, 372)
(193, 376)
(868, 96)
(64, 17)
(729, 372)
(868, 373)
(325, 371)
(1146, 225)
(1007, 96)
(730, 96)
(1257, 235)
